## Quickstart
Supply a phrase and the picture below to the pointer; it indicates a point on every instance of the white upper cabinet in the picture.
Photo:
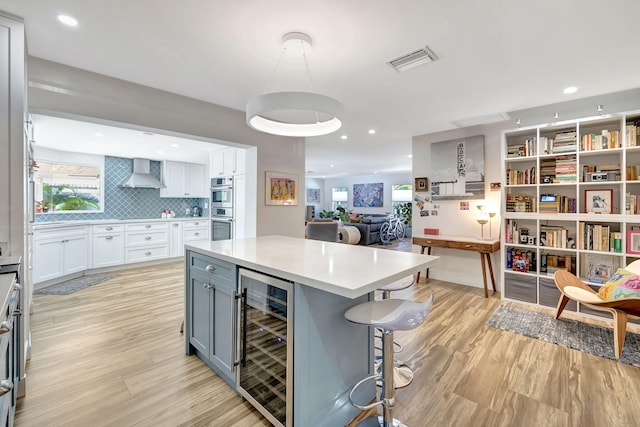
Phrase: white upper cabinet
(184, 180)
(228, 162)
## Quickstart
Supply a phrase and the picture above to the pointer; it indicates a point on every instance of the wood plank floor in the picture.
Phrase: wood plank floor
(111, 355)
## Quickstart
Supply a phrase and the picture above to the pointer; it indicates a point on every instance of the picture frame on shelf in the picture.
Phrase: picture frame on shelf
(598, 201)
(633, 242)
(422, 184)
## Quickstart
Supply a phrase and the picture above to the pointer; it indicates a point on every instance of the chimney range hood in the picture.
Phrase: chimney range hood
(141, 178)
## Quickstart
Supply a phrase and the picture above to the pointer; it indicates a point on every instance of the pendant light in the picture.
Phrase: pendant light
(295, 113)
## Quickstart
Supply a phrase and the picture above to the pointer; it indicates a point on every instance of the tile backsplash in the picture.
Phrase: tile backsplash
(129, 203)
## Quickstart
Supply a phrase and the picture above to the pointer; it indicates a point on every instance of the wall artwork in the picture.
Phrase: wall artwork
(281, 189)
(368, 195)
(458, 169)
(313, 195)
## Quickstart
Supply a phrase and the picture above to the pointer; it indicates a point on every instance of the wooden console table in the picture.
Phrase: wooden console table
(485, 247)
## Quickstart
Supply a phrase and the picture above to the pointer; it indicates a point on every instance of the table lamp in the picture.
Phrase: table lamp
(482, 219)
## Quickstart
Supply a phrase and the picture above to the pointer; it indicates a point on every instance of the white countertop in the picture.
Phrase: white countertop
(347, 270)
(61, 223)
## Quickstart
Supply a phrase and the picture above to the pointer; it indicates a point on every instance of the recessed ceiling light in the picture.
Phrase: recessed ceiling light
(331, 165)
(343, 137)
(98, 134)
(375, 172)
(570, 89)
(410, 156)
(68, 20)
(175, 145)
(372, 131)
(160, 152)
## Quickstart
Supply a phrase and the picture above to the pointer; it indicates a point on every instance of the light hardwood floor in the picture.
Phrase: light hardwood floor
(111, 355)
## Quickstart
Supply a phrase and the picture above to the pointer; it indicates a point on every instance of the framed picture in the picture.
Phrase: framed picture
(422, 184)
(281, 189)
(313, 195)
(598, 201)
(633, 241)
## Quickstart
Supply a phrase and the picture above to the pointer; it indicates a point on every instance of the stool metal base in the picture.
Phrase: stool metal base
(376, 421)
(402, 375)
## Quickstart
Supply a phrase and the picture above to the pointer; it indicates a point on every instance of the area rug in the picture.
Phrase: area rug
(592, 339)
(70, 286)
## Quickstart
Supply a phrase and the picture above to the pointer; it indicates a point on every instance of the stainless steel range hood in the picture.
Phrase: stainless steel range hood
(141, 178)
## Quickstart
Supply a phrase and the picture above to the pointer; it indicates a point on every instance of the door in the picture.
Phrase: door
(197, 182)
(173, 176)
(223, 342)
(48, 259)
(108, 249)
(265, 332)
(76, 254)
(176, 244)
(200, 303)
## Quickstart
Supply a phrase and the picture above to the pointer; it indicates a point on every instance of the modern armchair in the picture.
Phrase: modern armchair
(571, 287)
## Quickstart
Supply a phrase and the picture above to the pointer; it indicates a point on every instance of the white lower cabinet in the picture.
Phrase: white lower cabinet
(176, 246)
(146, 241)
(108, 245)
(60, 251)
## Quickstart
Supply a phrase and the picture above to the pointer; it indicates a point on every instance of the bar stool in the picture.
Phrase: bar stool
(389, 315)
(403, 375)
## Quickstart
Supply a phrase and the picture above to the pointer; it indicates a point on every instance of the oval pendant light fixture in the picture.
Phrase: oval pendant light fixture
(295, 113)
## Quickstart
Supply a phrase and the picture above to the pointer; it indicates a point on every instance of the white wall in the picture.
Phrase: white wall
(348, 181)
(65, 91)
(453, 221)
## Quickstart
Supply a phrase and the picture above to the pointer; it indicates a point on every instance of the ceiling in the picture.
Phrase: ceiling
(495, 56)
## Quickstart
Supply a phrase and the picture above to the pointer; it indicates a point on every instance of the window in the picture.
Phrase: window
(65, 188)
(338, 198)
(401, 197)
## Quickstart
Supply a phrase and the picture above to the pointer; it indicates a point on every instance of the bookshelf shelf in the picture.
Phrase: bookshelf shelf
(592, 157)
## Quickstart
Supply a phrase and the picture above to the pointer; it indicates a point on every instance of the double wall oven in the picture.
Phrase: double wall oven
(222, 215)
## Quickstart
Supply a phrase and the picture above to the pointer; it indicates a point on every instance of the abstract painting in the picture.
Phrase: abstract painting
(281, 189)
(313, 195)
(368, 195)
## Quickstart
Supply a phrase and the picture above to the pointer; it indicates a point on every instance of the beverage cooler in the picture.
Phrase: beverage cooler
(265, 345)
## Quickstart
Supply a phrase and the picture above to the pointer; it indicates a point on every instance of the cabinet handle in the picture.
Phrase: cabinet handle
(108, 237)
(147, 226)
(210, 268)
(17, 286)
(176, 224)
(5, 387)
(196, 223)
(5, 327)
(147, 238)
(467, 246)
(206, 286)
(108, 228)
(196, 234)
(147, 253)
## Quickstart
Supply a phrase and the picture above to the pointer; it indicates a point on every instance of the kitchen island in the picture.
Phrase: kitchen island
(266, 314)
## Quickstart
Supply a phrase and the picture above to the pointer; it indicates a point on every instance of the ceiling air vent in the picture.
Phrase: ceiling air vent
(413, 59)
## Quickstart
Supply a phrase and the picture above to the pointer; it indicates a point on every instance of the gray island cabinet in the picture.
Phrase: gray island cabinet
(266, 314)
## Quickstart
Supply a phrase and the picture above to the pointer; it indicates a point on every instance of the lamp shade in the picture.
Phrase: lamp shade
(294, 114)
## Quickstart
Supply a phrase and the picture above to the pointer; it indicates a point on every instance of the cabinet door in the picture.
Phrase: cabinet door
(223, 343)
(217, 164)
(197, 183)
(229, 161)
(200, 313)
(47, 260)
(241, 161)
(173, 176)
(176, 246)
(108, 249)
(76, 254)
(240, 207)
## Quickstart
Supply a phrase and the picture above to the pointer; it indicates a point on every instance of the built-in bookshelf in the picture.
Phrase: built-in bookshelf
(571, 200)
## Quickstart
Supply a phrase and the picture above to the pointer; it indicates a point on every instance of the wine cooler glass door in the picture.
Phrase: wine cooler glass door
(264, 376)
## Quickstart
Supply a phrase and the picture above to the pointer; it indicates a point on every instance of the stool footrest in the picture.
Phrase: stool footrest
(358, 384)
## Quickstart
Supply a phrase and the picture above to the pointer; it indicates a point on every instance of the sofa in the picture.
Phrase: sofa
(369, 227)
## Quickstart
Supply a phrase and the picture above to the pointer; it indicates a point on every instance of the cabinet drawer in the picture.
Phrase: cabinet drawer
(199, 223)
(520, 287)
(144, 226)
(220, 270)
(146, 239)
(191, 234)
(477, 247)
(108, 228)
(59, 232)
(433, 243)
(147, 253)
